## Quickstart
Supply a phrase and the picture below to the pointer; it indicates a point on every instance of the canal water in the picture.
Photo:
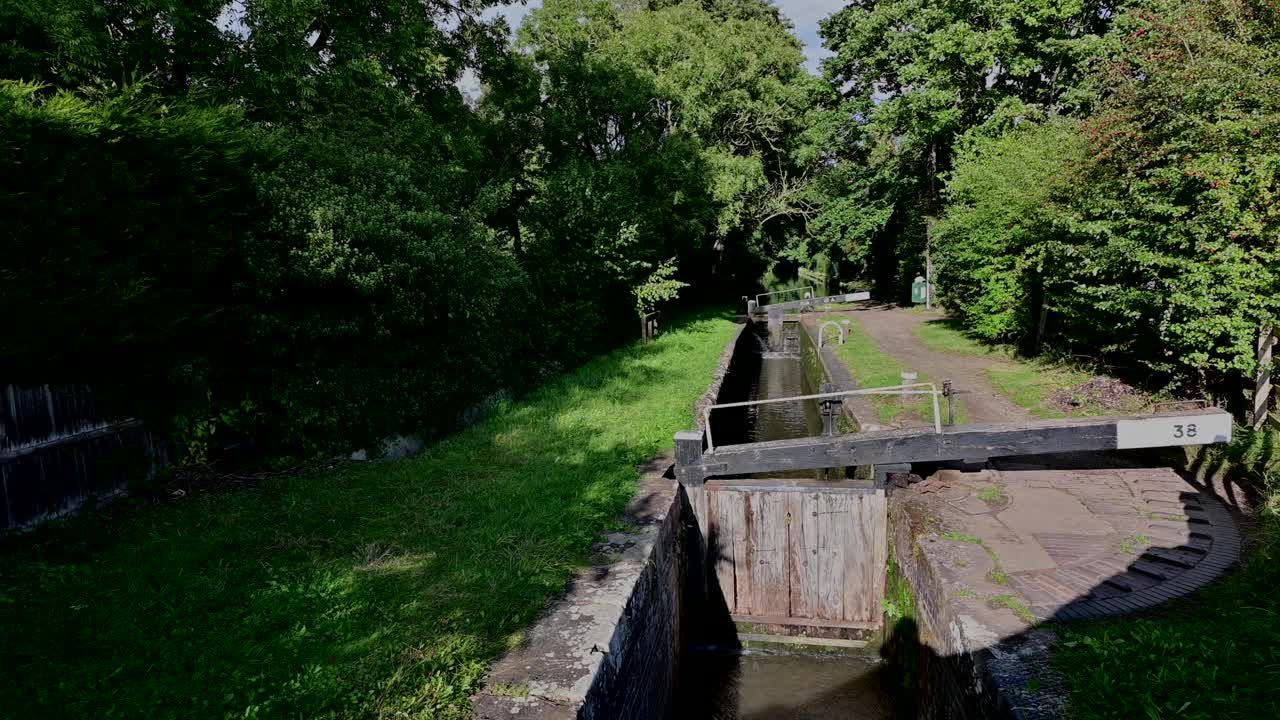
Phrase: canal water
(766, 685)
(760, 372)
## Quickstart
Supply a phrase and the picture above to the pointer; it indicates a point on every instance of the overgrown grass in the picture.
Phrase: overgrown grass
(1018, 607)
(1134, 542)
(1031, 384)
(1216, 655)
(873, 367)
(992, 495)
(1028, 383)
(956, 536)
(899, 601)
(379, 590)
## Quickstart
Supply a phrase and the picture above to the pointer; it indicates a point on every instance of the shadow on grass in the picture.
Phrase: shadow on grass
(379, 589)
(1245, 471)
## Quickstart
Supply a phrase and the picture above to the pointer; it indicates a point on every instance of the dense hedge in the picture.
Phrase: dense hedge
(219, 276)
(121, 219)
(371, 302)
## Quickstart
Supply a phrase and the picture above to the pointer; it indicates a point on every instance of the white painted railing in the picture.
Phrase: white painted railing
(910, 389)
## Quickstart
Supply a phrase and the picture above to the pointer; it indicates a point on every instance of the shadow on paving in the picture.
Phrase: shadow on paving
(379, 589)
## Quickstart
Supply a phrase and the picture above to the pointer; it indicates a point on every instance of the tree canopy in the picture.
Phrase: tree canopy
(289, 226)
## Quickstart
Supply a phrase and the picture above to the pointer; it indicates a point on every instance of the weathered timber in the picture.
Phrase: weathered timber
(688, 462)
(59, 448)
(726, 522)
(803, 621)
(792, 640)
(883, 471)
(768, 550)
(1262, 388)
(802, 545)
(799, 554)
(688, 457)
(969, 441)
(792, 485)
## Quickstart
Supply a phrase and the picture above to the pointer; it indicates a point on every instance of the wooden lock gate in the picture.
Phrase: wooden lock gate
(813, 552)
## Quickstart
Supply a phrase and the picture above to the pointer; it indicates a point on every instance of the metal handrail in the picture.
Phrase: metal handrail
(891, 390)
(839, 329)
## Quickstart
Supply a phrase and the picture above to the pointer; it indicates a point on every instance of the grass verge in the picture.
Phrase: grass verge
(872, 367)
(377, 590)
(1027, 383)
(1216, 655)
(944, 336)
(1031, 384)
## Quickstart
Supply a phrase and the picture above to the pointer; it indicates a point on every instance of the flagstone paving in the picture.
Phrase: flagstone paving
(1073, 544)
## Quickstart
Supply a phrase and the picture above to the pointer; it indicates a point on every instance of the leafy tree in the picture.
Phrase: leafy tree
(724, 86)
(735, 82)
(176, 45)
(1148, 230)
(1006, 241)
(1184, 181)
(760, 10)
(914, 76)
(373, 303)
(617, 194)
(299, 56)
(660, 287)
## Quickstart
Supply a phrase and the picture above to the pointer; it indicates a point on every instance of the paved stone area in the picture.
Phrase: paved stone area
(1071, 544)
(993, 554)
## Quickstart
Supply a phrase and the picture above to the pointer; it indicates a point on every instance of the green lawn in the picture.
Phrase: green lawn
(1216, 656)
(873, 367)
(1031, 384)
(945, 336)
(1028, 383)
(377, 590)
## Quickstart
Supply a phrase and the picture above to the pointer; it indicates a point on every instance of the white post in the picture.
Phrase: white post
(1262, 388)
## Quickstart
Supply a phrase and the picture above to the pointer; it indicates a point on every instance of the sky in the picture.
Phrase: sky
(805, 14)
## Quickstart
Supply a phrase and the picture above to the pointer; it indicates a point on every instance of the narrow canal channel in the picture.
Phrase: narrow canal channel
(757, 684)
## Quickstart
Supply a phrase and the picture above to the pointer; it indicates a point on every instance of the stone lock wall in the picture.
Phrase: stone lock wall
(637, 677)
(610, 647)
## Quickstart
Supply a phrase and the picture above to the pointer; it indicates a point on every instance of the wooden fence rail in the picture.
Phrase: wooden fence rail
(58, 449)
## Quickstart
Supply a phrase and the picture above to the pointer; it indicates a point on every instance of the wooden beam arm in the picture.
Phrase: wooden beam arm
(1191, 427)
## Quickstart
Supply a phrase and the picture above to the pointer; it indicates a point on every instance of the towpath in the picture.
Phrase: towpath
(894, 330)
